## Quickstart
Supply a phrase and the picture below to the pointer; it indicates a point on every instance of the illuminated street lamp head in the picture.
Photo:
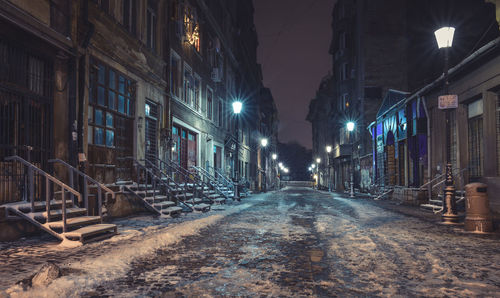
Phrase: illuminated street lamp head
(313, 166)
(237, 105)
(274, 156)
(286, 170)
(310, 169)
(444, 37)
(350, 126)
(328, 149)
(318, 160)
(263, 142)
(280, 164)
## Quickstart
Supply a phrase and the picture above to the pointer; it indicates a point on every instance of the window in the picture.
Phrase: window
(110, 100)
(219, 114)
(151, 19)
(197, 92)
(475, 114)
(344, 72)
(175, 71)
(59, 16)
(188, 86)
(209, 103)
(342, 40)
(192, 27)
(129, 15)
(344, 102)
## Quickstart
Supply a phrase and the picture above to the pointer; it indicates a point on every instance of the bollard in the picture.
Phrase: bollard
(477, 208)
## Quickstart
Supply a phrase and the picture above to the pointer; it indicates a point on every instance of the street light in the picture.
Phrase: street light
(263, 143)
(274, 156)
(328, 151)
(444, 38)
(237, 107)
(350, 128)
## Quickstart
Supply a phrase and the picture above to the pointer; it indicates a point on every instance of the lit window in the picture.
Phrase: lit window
(192, 27)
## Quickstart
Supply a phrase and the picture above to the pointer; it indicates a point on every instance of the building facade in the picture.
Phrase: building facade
(95, 82)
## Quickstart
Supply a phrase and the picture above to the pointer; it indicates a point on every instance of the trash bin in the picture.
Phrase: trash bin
(478, 217)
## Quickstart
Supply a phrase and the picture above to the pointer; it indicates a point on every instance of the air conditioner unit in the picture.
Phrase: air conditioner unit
(216, 75)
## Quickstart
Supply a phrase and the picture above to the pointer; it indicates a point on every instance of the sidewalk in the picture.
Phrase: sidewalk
(413, 211)
(23, 258)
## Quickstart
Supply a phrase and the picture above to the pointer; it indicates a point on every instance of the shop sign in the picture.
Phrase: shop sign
(448, 101)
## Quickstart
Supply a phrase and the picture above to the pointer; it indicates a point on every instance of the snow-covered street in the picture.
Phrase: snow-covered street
(295, 242)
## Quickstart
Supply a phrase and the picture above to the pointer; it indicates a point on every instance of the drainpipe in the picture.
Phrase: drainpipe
(81, 80)
(429, 170)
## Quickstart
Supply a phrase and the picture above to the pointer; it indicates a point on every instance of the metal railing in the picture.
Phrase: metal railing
(86, 179)
(151, 182)
(221, 178)
(174, 168)
(48, 179)
(204, 175)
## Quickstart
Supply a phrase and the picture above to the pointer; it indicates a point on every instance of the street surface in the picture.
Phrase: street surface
(295, 242)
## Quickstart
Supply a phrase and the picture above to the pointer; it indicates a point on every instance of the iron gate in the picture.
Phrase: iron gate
(25, 116)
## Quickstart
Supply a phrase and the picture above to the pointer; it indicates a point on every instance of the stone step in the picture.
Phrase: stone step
(40, 205)
(148, 192)
(164, 205)
(70, 212)
(220, 201)
(181, 195)
(124, 182)
(156, 199)
(213, 196)
(436, 202)
(93, 232)
(74, 222)
(172, 211)
(430, 207)
(201, 207)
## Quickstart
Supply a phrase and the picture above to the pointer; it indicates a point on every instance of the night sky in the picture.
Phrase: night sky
(294, 36)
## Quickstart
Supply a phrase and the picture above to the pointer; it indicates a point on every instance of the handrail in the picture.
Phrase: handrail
(454, 175)
(210, 179)
(162, 174)
(226, 181)
(186, 174)
(86, 178)
(32, 168)
(154, 177)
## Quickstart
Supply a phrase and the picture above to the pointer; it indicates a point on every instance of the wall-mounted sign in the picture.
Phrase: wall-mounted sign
(448, 101)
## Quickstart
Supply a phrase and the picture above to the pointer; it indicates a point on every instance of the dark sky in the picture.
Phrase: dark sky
(294, 36)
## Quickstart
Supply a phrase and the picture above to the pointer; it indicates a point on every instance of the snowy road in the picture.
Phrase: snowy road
(296, 242)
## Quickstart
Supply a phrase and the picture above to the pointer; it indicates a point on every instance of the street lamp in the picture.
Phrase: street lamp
(274, 156)
(237, 107)
(444, 38)
(263, 143)
(350, 128)
(328, 151)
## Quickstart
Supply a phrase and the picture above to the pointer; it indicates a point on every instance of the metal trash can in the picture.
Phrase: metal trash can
(478, 217)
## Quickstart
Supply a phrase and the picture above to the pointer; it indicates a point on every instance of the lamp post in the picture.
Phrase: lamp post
(237, 106)
(318, 161)
(263, 143)
(328, 151)
(314, 175)
(274, 156)
(444, 38)
(350, 128)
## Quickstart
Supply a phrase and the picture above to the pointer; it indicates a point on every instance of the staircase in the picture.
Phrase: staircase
(436, 205)
(219, 186)
(57, 208)
(205, 192)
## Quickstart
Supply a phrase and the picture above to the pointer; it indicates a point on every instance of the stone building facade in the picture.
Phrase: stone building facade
(92, 82)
